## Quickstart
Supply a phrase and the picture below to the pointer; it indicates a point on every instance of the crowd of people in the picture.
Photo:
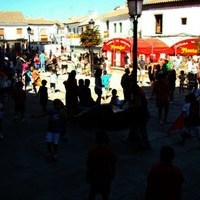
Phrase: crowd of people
(19, 71)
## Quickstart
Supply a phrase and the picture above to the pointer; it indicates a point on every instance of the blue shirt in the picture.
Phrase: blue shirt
(106, 80)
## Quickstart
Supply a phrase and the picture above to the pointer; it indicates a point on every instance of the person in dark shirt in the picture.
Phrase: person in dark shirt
(43, 94)
(19, 96)
(164, 180)
(101, 163)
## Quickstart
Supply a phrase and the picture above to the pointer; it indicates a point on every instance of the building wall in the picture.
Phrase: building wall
(10, 32)
(172, 27)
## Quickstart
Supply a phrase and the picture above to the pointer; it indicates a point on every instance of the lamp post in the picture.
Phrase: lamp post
(135, 10)
(91, 27)
(29, 39)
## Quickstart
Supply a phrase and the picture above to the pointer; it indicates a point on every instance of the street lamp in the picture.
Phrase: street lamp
(91, 27)
(135, 10)
(29, 39)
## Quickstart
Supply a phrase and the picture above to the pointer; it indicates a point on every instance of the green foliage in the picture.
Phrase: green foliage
(90, 38)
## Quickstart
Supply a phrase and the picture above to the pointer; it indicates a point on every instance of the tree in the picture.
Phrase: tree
(89, 39)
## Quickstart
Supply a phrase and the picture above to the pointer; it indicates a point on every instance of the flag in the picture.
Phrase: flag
(177, 125)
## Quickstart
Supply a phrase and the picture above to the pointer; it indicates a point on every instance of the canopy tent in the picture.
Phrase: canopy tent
(188, 47)
(145, 46)
(117, 48)
(158, 46)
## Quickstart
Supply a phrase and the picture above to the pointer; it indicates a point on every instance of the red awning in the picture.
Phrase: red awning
(158, 46)
(145, 46)
(187, 47)
(117, 44)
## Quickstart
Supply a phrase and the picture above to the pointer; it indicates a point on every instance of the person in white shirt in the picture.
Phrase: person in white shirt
(53, 80)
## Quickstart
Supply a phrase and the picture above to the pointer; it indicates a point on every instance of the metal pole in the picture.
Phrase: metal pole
(29, 43)
(135, 62)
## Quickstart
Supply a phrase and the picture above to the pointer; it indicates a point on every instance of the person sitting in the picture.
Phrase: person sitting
(84, 93)
(115, 102)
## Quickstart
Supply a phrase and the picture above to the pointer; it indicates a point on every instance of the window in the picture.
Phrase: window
(184, 21)
(115, 28)
(1, 31)
(19, 31)
(159, 24)
(120, 27)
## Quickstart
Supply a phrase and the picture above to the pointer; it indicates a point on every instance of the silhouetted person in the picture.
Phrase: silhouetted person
(71, 96)
(43, 94)
(139, 117)
(162, 95)
(98, 85)
(101, 163)
(164, 181)
(126, 84)
(87, 100)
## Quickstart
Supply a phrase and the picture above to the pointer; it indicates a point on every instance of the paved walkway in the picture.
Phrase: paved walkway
(25, 174)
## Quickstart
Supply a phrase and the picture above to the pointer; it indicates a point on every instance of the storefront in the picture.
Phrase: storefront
(118, 50)
(188, 47)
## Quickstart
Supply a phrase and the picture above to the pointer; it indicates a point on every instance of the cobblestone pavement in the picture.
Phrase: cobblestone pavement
(26, 174)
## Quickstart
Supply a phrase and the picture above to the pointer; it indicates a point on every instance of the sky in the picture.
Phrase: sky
(59, 9)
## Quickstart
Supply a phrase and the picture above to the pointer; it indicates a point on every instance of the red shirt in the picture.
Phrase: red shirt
(164, 182)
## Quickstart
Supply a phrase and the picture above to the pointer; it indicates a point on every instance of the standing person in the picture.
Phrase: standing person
(42, 58)
(64, 65)
(43, 94)
(105, 78)
(57, 117)
(18, 65)
(162, 95)
(151, 73)
(100, 163)
(56, 126)
(36, 80)
(71, 96)
(181, 82)
(36, 61)
(141, 69)
(164, 180)
(126, 84)
(53, 80)
(98, 85)
(81, 91)
(139, 117)
(171, 79)
(19, 96)
(27, 78)
(126, 59)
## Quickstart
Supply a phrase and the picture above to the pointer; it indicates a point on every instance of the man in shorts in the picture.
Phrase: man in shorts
(141, 69)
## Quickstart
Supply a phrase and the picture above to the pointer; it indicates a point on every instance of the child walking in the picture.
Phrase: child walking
(57, 117)
(56, 126)
(53, 80)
